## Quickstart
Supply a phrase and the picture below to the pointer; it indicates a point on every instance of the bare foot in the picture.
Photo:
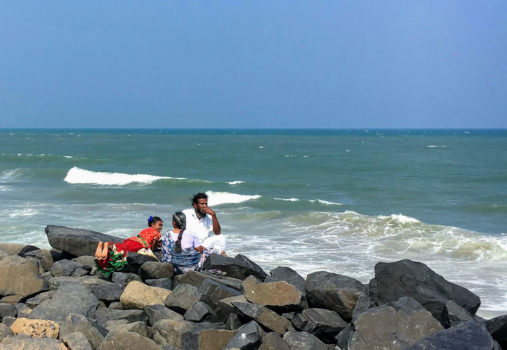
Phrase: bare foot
(98, 252)
(105, 251)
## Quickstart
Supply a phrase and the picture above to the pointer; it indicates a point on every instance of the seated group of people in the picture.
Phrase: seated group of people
(186, 245)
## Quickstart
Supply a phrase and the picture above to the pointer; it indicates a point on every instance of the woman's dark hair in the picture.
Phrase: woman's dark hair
(153, 219)
(198, 196)
(180, 220)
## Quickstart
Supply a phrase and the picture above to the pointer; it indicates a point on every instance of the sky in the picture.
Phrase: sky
(253, 64)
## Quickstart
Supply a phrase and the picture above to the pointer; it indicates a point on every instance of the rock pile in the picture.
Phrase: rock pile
(54, 299)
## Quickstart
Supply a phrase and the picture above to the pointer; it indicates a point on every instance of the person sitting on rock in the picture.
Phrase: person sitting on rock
(110, 257)
(181, 247)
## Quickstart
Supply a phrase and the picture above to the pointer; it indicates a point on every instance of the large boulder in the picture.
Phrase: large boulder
(273, 341)
(273, 294)
(196, 278)
(76, 241)
(76, 341)
(79, 323)
(137, 295)
(498, 328)
(25, 342)
(155, 270)
(322, 323)
(334, 292)
(183, 297)
(414, 279)
(207, 339)
(471, 335)
(238, 267)
(127, 340)
(264, 316)
(170, 332)
(288, 275)
(19, 276)
(156, 313)
(69, 268)
(248, 336)
(102, 288)
(396, 326)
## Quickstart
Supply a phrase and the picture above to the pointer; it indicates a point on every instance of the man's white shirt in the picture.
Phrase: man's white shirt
(201, 228)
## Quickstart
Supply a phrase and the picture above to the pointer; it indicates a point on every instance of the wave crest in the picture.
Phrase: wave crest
(217, 198)
(81, 176)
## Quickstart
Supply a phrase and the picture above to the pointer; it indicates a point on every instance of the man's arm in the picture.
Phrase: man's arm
(216, 225)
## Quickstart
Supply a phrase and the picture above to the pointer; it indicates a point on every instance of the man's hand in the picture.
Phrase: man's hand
(209, 211)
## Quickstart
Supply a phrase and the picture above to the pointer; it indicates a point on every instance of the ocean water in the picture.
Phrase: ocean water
(335, 200)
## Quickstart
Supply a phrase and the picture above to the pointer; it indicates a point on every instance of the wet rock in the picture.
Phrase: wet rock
(248, 336)
(36, 328)
(19, 276)
(334, 292)
(170, 332)
(401, 324)
(409, 278)
(138, 295)
(264, 316)
(199, 312)
(25, 342)
(156, 313)
(183, 297)
(288, 275)
(155, 269)
(76, 341)
(79, 323)
(273, 294)
(273, 341)
(236, 267)
(165, 283)
(8, 310)
(207, 339)
(69, 298)
(104, 315)
(303, 340)
(127, 340)
(68, 268)
(497, 327)
(123, 278)
(470, 335)
(322, 323)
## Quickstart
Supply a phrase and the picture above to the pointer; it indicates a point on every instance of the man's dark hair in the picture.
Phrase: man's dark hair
(198, 196)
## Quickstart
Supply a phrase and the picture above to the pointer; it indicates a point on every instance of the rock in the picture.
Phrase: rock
(76, 341)
(199, 312)
(86, 260)
(363, 303)
(69, 298)
(470, 335)
(19, 276)
(322, 323)
(165, 283)
(236, 267)
(58, 255)
(272, 294)
(39, 298)
(4, 331)
(8, 320)
(264, 316)
(414, 279)
(183, 297)
(76, 241)
(170, 332)
(497, 327)
(156, 313)
(135, 261)
(25, 342)
(248, 336)
(138, 295)
(101, 288)
(457, 315)
(104, 315)
(79, 323)
(206, 339)
(217, 290)
(136, 327)
(16, 248)
(8, 310)
(396, 326)
(196, 278)
(233, 322)
(288, 275)
(12, 299)
(303, 340)
(23, 310)
(36, 328)
(127, 340)
(334, 292)
(42, 256)
(273, 341)
(155, 269)
(123, 278)
(345, 336)
(69, 268)
(116, 305)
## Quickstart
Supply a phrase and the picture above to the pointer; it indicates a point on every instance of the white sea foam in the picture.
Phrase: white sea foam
(81, 176)
(237, 182)
(10, 175)
(68, 157)
(23, 212)
(217, 198)
(287, 199)
(435, 146)
(321, 201)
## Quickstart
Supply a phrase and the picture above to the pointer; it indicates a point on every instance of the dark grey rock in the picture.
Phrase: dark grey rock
(195, 279)
(303, 340)
(288, 275)
(122, 326)
(233, 322)
(414, 279)
(497, 327)
(155, 269)
(170, 332)
(334, 292)
(4, 331)
(183, 297)
(156, 313)
(69, 298)
(239, 267)
(249, 336)
(264, 316)
(124, 278)
(165, 283)
(199, 312)
(68, 268)
(42, 256)
(75, 241)
(217, 290)
(23, 310)
(127, 340)
(457, 315)
(470, 336)
(39, 298)
(86, 260)
(76, 341)
(344, 337)
(363, 303)
(8, 320)
(273, 341)
(104, 314)
(100, 287)
(205, 338)
(22, 341)
(8, 310)
(322, 323)
(58, 255)
(26, 250)
(116, 305)
(79, 323)
(135, 261)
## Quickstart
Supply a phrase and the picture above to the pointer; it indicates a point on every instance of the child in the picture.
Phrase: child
(110, 257)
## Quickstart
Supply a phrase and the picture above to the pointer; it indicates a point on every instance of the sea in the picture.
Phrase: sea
(334, 200)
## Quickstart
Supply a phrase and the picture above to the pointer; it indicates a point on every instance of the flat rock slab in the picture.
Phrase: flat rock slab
(156, 313)
(276, 294)
(76, 241)
(25, 342)
(265, 317)
(322, 323)
(239, 267)
(127, 340)
(288, 275)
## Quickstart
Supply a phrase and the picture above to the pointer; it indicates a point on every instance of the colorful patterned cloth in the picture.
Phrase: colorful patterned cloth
(187, 259)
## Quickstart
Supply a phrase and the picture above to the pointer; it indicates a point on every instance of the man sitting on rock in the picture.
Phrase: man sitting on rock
(201, 219)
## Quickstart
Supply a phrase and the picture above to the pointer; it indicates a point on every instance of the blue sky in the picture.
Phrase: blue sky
(253, 64)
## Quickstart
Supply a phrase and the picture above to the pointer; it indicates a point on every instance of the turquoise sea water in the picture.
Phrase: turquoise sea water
(336, 200)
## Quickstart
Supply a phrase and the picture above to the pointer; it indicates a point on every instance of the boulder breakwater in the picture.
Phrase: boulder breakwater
(55, 299)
